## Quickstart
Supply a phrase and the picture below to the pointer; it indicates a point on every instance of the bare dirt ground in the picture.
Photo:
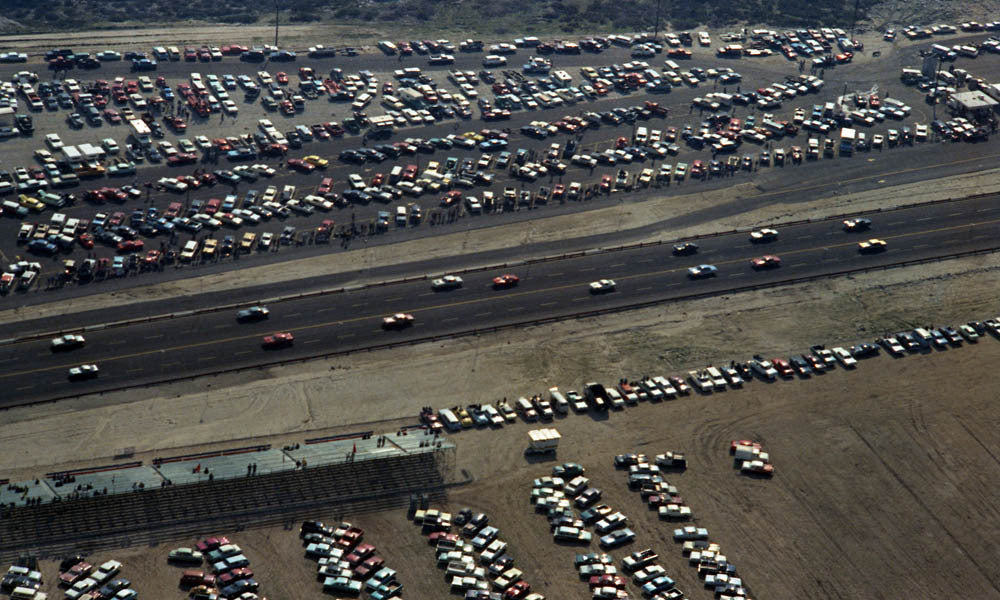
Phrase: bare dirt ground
(884, 484)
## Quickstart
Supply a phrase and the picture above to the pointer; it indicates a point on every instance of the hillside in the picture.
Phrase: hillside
(483, 16)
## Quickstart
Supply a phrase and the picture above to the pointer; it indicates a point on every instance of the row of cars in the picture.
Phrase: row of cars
(567, 490)
(656, 492)
(346, 566)
(230, 576)
(718, 573)
(475, 560)
(83, 581)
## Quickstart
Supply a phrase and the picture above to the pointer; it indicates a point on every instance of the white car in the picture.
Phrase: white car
(186, 145)
(172, 184)
(264, 170)
(54, 141)
(763, 235)
(207, 220)
(356, 181)
(68, 342)
(230, 107)
(602, 285)
(447, 282)
(203, 142)
(83, 372)
(691, 533)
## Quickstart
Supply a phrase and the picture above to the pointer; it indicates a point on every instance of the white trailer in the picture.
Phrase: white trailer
(543, 441)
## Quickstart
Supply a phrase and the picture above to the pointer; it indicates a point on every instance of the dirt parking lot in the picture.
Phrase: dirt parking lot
(883, 487)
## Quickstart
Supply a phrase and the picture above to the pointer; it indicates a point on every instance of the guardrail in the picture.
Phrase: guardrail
(478, 269)
(525, 323)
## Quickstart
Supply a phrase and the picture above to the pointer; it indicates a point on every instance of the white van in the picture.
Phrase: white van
(527, 410)
(22, 593)
(396, 174)
(449, 419)
(494, 60)
(559, 402)
(562, 78)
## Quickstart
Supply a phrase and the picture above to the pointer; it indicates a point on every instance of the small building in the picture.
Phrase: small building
(973, 104)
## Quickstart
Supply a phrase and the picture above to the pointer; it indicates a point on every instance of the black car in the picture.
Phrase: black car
(685, 249)
(113, 587)
(238, 587)
(314, 527)
(864, 350)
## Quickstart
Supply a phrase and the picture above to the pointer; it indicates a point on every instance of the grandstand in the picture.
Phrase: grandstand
(158, 510)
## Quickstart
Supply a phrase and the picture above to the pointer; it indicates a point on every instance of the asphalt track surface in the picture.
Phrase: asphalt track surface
(208, 342)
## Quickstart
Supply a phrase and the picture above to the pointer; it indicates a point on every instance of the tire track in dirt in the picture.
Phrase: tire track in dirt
(970, 557)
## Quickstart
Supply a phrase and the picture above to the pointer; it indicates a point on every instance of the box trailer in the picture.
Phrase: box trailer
(847, 139)
(543, 441)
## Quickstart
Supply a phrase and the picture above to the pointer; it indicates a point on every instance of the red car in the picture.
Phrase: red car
(397, 321)
(152, 257)
(86, 240)
(234, 575)
(211, 543)
(606, 182)
(517, 591)
(278, 340)
(506, 281)
(369, 567)
(360, 554)
(558, 191)
(735, 443)
(621, 143)
(131, 246)
(783, 368)
(300, 165)
(334, 129)
(325, 186)
(768, 261)
(442, 536)
(320, 132)
(616, 581)
(281, 77)
(350, 538)
(76, 573)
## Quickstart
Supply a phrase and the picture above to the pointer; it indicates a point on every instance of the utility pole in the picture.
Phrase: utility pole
(276, 17)
(656, 31)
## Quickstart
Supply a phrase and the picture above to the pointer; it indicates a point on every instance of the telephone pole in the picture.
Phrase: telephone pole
(656, 31)
(277, 15)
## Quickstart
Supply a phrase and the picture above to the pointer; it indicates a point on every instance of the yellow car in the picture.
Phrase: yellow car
(316, 161)
(31, 203)
(210, 247)
(473, 135)
(872, 246)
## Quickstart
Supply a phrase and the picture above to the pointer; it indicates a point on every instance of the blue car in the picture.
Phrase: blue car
(492, 144)
(42, 247)
(617, 538)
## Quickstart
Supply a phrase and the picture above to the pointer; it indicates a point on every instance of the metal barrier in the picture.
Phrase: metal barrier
(526, 323)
